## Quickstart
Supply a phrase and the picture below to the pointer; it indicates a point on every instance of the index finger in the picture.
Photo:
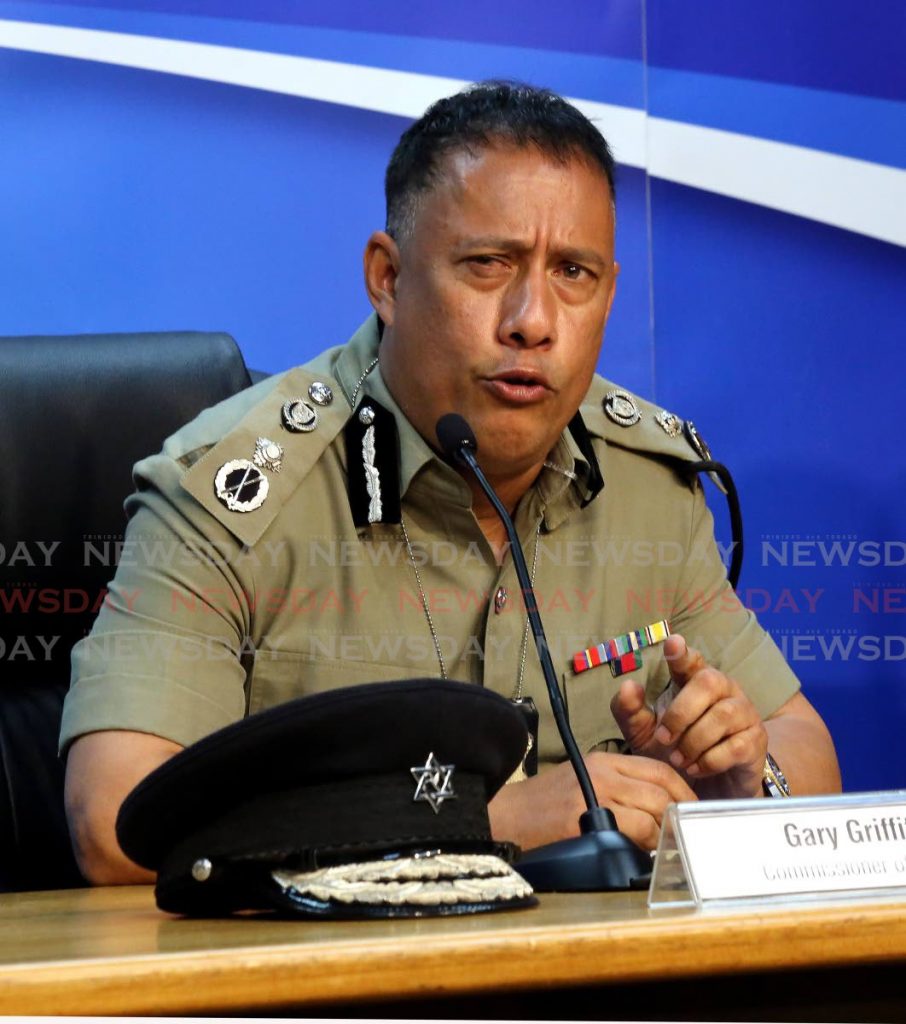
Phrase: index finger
(705, 691)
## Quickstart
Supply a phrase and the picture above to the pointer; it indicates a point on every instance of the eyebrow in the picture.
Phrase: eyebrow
(502, 244)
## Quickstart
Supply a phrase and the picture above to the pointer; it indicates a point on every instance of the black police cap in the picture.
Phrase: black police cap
(366, 801)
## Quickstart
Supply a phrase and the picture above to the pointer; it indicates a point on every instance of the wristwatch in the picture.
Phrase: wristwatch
(773, 781)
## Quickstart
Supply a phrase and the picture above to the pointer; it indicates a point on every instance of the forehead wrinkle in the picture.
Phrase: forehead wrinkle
(456, 200)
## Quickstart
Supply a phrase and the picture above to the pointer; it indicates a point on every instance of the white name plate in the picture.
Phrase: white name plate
(753, 849)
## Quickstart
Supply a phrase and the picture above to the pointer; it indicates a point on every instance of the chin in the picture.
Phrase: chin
(503, 461)
(507, 448)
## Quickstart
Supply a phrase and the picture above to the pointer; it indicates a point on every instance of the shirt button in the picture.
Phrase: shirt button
(500, 599)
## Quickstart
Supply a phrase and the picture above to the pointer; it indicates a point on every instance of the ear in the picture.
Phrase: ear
(613, 289)
(382, 265)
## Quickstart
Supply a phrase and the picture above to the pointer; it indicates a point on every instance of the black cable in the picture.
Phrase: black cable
(723, 474)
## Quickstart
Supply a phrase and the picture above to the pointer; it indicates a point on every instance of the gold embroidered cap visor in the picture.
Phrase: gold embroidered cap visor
(367, 801)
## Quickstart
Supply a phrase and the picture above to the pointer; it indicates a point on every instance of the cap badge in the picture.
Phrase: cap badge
(623, 652)
(240, 485)
(434, 783)
(299, 416)
(268, 454)
(669, 422)
(621, 407)
(320, 393)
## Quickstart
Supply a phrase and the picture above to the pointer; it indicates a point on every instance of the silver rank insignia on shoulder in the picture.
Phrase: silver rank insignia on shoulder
(698, 444)
(241, 485)
(320, 393)
(268, 455)
(669, 422)
(433, 782)
(620, 406)
(299, 416)
(696, 441)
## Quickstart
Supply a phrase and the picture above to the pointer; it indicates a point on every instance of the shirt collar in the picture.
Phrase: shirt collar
(559, 485)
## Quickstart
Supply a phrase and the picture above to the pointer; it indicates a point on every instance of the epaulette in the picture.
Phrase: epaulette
(624, 420)
(628, 421)
(246, 477)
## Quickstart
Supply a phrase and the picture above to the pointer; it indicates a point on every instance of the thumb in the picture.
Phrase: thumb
(636, 720)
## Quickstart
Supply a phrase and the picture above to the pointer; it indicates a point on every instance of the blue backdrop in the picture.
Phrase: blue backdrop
(138, 195)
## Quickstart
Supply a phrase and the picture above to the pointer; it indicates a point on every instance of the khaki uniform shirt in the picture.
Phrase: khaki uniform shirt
(215, 614)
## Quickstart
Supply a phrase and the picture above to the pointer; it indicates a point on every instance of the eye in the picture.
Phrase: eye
(575, 272)
(487, 265)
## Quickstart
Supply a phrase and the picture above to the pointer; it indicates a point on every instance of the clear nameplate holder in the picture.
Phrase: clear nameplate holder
(798, 849)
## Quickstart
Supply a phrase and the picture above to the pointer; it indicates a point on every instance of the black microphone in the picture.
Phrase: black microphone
(602, 858)
(455, 434)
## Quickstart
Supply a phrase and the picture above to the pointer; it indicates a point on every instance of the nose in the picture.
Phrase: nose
(528, 315)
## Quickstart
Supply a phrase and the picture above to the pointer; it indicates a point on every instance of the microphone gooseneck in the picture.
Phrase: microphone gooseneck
(601, 858)
(457, 441)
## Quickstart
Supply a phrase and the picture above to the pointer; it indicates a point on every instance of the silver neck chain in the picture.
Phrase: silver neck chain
(424, 599)
(517, 693)
(361, 380)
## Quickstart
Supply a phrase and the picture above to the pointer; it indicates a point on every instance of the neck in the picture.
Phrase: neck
(510, 492)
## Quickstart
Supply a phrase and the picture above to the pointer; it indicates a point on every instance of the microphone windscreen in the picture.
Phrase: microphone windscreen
(454, 433)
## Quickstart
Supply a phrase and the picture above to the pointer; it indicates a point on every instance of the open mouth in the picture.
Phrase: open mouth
(519, 387)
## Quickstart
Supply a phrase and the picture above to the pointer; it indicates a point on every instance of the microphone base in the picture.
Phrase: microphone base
(599, 860)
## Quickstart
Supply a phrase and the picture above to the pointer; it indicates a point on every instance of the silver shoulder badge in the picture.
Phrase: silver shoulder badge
(320, 393)
(621, 407)
(697, 442)
(268, 454)
(241, 485)
(298, 416)
(669, 422)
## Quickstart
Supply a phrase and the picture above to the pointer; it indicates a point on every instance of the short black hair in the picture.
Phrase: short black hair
(486, 112)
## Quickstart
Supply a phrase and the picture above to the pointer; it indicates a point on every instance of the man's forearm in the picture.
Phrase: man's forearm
(802, 746)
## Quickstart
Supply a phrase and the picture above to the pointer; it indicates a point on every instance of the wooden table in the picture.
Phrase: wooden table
(98, 951)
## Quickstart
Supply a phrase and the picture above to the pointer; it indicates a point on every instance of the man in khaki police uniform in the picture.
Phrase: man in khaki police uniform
(305, 534)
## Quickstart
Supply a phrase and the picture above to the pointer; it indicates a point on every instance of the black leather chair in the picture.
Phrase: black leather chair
(75, 414)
